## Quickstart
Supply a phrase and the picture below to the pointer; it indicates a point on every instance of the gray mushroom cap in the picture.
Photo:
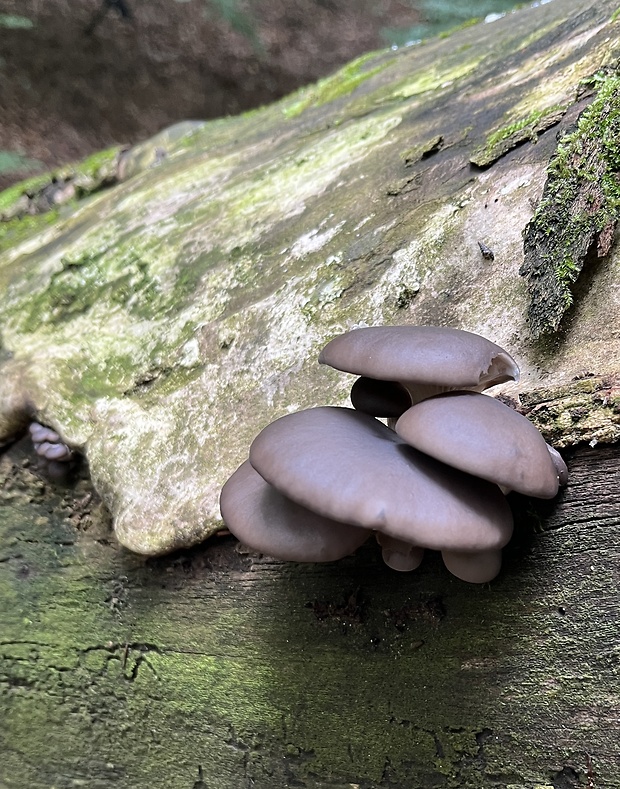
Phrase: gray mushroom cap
(419, 356)
(346, 465)
(476, 568)
(482, 436)
(47, 443)
(266, 521)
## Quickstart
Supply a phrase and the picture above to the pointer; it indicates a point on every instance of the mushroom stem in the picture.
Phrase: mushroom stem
(384, 399)
(475, 568)
(398, 554)
(418, 392)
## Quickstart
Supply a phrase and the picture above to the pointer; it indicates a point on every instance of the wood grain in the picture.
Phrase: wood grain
(221, 669)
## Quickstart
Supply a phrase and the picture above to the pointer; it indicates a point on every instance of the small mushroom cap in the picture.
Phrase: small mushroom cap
(348, 466)
(40, 433)
(475, 568)
(387, 399)
(427, 355)
(47, 443)
(399, 555)
(265, 520)
(482, 436)
(58, 451)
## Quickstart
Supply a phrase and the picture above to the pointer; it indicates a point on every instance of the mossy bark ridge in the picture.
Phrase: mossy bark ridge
(576, 219)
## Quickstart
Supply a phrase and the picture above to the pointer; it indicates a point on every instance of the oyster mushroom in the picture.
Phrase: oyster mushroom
(560, 466)
(56, 457)
(426, 360)
(268, 522)
(482, 436)
(47, 443)
(347, 466)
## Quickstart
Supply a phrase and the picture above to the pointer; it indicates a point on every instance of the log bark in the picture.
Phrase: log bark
(161, 305)
(217, 668)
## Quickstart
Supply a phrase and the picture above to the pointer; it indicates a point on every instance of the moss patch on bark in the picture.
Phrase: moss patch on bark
(576, 218)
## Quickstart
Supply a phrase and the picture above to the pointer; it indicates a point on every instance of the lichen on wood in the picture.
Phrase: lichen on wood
(586, 410)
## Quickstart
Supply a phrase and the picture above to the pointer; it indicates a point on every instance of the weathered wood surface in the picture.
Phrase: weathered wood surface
(221, 670)
(226, 262)
(160, 323)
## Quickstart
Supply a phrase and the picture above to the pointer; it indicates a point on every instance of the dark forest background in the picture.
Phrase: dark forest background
(80, 75)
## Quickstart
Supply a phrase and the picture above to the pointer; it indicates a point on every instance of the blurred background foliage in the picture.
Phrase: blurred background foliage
(438, 16)
(80, 75)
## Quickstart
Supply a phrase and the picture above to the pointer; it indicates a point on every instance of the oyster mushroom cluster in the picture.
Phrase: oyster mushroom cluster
(55, 456)
(319, 482)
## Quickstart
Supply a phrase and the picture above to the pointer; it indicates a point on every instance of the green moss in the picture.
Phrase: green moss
(342, 83)
(507, 131)
(579, 208)
(463, 26)
(83, 283)
(94, 164)
(514, 133)
(599, 120)
(432, 79)
(615, 15)
(8, 197)
(13, 232)
(94, 167)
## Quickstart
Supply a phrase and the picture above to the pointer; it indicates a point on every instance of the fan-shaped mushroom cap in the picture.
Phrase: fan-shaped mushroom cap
(265, 520)
(421, 356)
(482, 436)
(387, 399)
(348, 466)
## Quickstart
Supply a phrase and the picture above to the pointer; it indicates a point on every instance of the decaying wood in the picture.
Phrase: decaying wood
(178, 301)
(578, 212)
(160, 319)
(218, 668)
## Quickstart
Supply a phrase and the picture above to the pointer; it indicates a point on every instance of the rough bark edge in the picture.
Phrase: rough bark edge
(576, 218)
(587, 410)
